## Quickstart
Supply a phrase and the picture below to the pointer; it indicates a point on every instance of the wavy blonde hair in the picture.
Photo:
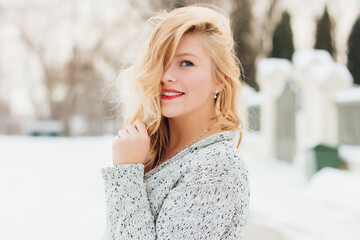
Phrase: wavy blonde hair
(143, 94)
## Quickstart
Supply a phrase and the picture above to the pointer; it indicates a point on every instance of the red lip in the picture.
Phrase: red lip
(170, 90)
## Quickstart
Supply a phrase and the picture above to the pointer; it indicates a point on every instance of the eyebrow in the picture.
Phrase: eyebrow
(185, 54)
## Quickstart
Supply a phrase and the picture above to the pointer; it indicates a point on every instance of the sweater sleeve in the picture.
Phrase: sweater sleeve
(201, 211)
(127, 206)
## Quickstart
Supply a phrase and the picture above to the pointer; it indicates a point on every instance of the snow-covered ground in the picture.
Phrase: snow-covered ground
(286, 205)
(51, 188)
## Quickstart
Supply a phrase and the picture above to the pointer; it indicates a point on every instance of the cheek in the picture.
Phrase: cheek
(198, 88)
(199, 84)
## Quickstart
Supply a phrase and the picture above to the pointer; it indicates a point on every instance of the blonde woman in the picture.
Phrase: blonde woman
(176, 170)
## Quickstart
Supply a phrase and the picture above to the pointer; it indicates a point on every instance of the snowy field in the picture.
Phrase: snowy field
(51, 188)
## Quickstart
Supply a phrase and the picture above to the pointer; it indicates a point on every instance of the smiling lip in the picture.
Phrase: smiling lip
(170, 90)
(170, 97)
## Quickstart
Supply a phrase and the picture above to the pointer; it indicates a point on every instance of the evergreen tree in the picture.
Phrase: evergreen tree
(324, 28)
(353, 62)
(283, 46)
(241, 23)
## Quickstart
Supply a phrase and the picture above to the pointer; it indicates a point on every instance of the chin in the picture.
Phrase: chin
(171, 114)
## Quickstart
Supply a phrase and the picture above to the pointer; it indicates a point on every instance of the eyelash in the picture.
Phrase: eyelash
(188, 62)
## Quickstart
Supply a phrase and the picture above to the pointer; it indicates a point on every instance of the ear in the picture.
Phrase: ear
(220, 86)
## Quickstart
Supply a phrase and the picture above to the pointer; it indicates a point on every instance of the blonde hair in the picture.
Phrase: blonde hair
(144, 78)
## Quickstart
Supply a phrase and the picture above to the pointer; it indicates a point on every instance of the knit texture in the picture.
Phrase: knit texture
(200, 193)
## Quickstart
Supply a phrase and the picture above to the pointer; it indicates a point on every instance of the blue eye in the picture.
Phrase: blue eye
(187, 63)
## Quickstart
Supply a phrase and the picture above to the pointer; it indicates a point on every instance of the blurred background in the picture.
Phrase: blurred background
(301, 106)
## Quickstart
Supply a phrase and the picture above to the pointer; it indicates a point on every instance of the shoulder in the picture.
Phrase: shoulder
(217, 163)
(217, 166)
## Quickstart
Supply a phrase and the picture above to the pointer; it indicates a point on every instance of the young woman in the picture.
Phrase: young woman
(176, 170)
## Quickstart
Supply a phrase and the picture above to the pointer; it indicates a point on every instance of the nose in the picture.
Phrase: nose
(168, 76)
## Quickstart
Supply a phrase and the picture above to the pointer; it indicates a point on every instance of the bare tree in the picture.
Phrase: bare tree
(4, 109)
(148, 8)
(267, 26)
(242, 24)
(79, 78)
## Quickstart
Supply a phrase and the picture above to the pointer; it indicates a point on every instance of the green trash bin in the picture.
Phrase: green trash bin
(326, 156)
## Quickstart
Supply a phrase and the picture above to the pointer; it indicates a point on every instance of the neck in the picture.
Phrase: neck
(184, 129)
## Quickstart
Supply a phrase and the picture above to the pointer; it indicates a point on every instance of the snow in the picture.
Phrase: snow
(254, 98)
(52, 188)
(304, 59)
(350, 153)
(348, 95)
(273, 74)
(324, 71)
(267, 66)
(284, 201)
(321, 67)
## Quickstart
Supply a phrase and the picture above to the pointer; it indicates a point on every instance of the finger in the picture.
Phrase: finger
(122, 133)
(126, 128)
(140, 125)
(131, 129)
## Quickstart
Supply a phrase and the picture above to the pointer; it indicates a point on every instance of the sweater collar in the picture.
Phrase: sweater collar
(231, 136)
(217, 137)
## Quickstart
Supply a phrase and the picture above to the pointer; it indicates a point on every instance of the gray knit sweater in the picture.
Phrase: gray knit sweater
(200, 193)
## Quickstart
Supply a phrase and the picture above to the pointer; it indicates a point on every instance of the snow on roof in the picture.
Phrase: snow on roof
(326, 70)
(267, 66)
(321, 67)
(348, 95)
(304, 59)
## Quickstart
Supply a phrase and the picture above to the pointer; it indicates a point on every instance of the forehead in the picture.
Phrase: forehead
(192, 43)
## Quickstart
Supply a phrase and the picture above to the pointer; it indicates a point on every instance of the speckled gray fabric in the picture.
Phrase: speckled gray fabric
(200, 193)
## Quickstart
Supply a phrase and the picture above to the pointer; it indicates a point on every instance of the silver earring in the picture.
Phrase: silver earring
(215, 93)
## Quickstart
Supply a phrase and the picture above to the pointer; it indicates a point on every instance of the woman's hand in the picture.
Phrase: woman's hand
(132, 144)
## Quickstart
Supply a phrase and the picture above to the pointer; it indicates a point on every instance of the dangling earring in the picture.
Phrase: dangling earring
(215, 93)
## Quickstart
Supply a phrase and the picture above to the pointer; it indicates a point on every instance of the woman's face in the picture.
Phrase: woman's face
(190, 73)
